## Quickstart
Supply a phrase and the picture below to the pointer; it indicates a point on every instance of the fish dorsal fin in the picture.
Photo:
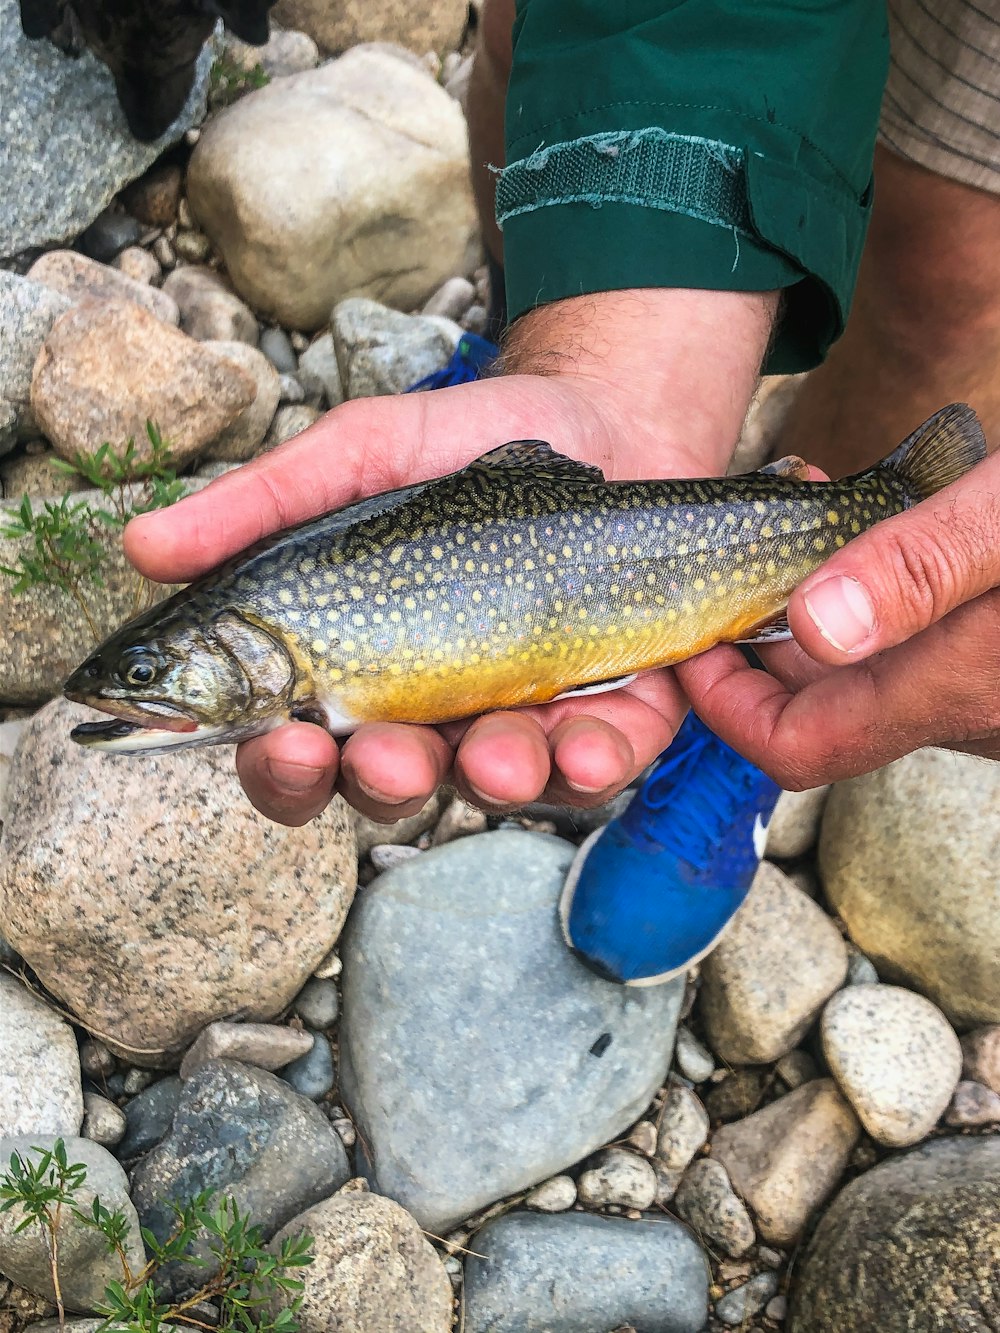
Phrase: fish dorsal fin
(539, 455)
(791, 467)
(940, 451)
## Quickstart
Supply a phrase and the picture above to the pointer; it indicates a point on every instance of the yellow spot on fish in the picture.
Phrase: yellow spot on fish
(832, 516)
(284, 597)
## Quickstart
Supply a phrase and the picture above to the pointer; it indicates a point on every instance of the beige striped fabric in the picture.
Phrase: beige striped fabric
(942, 101)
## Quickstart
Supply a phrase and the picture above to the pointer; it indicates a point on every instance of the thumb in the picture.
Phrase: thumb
(904, 574)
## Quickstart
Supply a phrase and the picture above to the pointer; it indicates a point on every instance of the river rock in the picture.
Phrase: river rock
(740, 1304)
(554, 1061)
(620, 1177)
(313, 1074)
(706, 1199)
(285, 52)
(82, 279)
(770, 974)
(555, 1195)
(263, 1045)
(140, 861)
(106, 369)
(64, 113)
(380, 351)
(301, 230)
(27, 312)
(370, 834)
(683, 1129)
(913, 1244)
(85, 1266)
(973, 1105)
(318, 1003)
(210, 311)
(40, 1088)
(908, 855)
(895, 1056)
(10, 734)
(319, 372)
(245, 1134)
(148, 1117)
(372, 1269)
(288, 422)
(980, 1049)
(532, 1273)
(8, 426)
(794, 826)
(427, 25)
(33, 474)
(277, 347)
(243, 437)
(786, 1159)
(103, 1121)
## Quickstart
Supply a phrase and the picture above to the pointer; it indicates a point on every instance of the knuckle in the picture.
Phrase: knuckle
(923, 575)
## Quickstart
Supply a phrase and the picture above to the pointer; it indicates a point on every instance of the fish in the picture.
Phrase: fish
(523, 578)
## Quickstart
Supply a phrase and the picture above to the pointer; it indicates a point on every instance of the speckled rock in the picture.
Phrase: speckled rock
(381, 351)
(420, 25)
(243, 438)
(767, 979)
(980, 1054)
(555, 1062)
(372, 1269)
(537, 1275)
(683, 1128)
(146, 945)
(27, 312)
(105, 369)
(264, 1045)
(895, 1056)
(369, 834)
(40, 1089)
(787, 1158)
(138, 264)
(33, 474)
(319, 372)
(64, 113)
(706, 1199)
(85, 1266)
(299, 230)
(210, 310)
(740, 1304)
(908, 855)
(148, 1117)
(103, 1121)
(245, 1133)
(555, 1195)
(82, 279)
(10, 734)
(794, 826)
(619, 1177)
(973, 1105)
(913, 1244)
(289, 421)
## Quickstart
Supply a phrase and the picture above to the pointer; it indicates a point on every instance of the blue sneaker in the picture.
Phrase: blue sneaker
(473, 356)
(651, 893)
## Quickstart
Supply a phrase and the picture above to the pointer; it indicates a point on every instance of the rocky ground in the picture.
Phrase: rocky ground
(801, 1134)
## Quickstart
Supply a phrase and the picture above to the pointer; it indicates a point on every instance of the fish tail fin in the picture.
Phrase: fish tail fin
(940, 451)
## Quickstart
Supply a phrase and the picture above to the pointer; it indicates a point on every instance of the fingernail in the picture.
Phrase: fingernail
(585, 790)
(294, 777)
(381, 797)
(842, 612)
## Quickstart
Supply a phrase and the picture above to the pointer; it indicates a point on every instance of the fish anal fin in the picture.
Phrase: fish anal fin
(538, 454)
(792, 468)
(596, 687)
(771, 631)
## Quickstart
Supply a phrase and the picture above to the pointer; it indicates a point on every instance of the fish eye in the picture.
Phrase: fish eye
(138, 669)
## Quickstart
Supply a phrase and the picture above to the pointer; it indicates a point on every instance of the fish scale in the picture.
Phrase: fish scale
(521, 578)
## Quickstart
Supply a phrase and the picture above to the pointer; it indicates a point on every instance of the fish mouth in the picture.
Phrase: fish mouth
(142, 717)
(150, 728)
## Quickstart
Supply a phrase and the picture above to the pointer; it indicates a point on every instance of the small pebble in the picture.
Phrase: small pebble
(291, 419)
(109, 234)
(138, 264)
(96, 1060)
(552, 1196)
(318, 1004)
(149, 1117)
(643, 1137)
(453, 1267)
(796, 1068)
(773, 1258)
(452, 299)
(694, 1060)
(777, 1308)
(683, 1129)
(265, 1045)
(860, 968)
(709, 1203)
(738, 1095)
(193, 247)
(385, 855)
(972, 1105)
(475, 319)
(618, 1177)
(298, 340)
(981, 1056)
(277, 347)
(331, 966)
(184, 215)
(137, 1080)
(460, 820)
(164, 252)
(347, 1132)
(192, 135)
(291, 389)
(313, 1074)
(737, 1305)
(103, 1122)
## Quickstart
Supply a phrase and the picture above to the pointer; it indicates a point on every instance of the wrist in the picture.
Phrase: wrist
(676, 367)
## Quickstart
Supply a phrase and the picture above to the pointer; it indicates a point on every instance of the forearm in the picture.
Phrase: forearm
(677, 367)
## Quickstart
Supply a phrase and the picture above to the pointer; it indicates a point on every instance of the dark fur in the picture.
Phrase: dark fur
(150, 46)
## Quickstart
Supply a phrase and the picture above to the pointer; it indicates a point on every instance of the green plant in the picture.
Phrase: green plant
(62, 547)
(228, 81)
(243, 1275)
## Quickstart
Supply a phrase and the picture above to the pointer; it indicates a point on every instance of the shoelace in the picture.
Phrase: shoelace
(472, 356)
(705, 792)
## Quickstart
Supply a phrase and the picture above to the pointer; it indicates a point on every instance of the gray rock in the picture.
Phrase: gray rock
(65, 113)
(264, 1045)
(109, 234)
(381, 351)
(34, 474)
(372, 1269)
(767, 979)
(140, 265)
(85, 1266)
(458, 820)
(796, 1068)
(210, 311)
(244, 436)
(318, 1003)
(738, 1094)
(81, 279)
(27, 312)
(537, 1275)
(707, 1200)
(103, 1121)
(973, 1105)
(319, 372)
(555, 1062)
(285, 52)
(148, 1117)
(913, 1244)
(369, 834)
(8, 426)
(683, 1129)
(618, 1177)
(555, 1195)
(895, 1056)
(135, 1081)
(693, 1059)
(747, 1300)
(386, 855)
(794, 826)
(40, 1086)
(313, 1074)
(10, 734)
(277, 347)
(860, 969)
(289, 421)
(246, 1134)
(452, 299)
(96, 1060)
(909, 858)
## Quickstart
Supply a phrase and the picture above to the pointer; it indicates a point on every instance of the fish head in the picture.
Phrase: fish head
(173, 681)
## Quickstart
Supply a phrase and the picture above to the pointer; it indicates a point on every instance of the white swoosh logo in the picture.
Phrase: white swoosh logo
(760, 836)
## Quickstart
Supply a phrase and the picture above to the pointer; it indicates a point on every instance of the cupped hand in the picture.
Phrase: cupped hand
(897, 647)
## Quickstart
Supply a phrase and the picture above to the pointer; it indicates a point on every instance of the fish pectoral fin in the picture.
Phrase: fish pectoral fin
(538, 455)
(791, 467)
(772, 631)
(596, 687)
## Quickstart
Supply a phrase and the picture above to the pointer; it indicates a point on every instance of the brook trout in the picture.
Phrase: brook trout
(523, 578)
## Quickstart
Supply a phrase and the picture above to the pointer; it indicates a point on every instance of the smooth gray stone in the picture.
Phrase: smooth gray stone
(573, 1271)
(28, 310)
(110, 234)
(277, 347)
(749, 1299)
(148, 1117)
(478, 1056)
(318, 1003)
(244, 1133)
(64, 114)
(312, 1074)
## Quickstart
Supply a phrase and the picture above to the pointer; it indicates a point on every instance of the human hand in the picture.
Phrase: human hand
(599, 388)
(898, 646)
